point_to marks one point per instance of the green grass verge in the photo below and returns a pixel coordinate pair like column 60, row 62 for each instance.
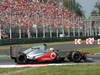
column 61, row 70
column 34, row 44
column 6, row 70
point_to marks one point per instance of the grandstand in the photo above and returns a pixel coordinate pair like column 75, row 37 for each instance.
column 33, row 19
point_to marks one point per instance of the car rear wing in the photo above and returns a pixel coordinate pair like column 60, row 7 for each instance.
column 16, row 50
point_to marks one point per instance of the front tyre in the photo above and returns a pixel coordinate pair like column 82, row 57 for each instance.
column 76, row 56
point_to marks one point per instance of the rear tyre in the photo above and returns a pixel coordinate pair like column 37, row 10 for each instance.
column 21, row 59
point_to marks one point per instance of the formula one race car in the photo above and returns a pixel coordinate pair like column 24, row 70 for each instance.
column 42, row 53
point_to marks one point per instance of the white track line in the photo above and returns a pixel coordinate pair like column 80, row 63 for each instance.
column 32, row 65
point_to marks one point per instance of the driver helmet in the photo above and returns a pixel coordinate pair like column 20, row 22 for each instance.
column 51, row 49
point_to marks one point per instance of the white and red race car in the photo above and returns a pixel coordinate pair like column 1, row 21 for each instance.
column 42, row 53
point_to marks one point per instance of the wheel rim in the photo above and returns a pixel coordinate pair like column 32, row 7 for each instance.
column 76, row 57
column 22, row 59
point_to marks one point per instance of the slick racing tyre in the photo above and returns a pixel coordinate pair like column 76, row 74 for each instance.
column 76, row 56
column 21, row 59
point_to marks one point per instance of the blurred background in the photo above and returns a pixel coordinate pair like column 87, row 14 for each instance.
column 29, row 21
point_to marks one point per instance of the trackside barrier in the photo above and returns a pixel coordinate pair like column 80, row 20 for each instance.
column 33, row 40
